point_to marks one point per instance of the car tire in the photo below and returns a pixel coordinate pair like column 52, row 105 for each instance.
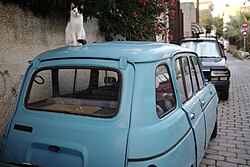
column 215, row 131
column 224, row 95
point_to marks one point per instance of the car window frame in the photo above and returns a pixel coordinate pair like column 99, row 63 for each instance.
column 200, row 71
column 178, row 56
column 197, row 81
column 32, row 78
column 167, row 66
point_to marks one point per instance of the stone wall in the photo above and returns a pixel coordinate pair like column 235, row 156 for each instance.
column 189, row 17
column 22, row 37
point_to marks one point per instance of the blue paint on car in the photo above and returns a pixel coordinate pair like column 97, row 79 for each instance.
column 131, row 104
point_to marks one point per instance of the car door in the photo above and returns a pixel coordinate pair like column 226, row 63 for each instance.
column 190, row 103
column 160, row 133
column 206, row 94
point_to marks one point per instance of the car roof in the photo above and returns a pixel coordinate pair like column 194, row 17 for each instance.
column 132, row 51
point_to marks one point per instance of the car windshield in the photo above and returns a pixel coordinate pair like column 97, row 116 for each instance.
column 82, row 91
column 203, row 48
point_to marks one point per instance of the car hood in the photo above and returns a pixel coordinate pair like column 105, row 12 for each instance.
column 213, row 62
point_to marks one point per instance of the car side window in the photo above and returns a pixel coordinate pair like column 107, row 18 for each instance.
column 195, row 64
column 165, row 97
column 183, row 78
column 194, row 76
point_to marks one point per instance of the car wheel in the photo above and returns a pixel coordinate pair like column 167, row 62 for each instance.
column 214, row 134
column 224, row 95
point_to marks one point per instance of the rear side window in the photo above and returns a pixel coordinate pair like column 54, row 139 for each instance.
column 81, row 91
column 183, row 78
column 198, row 73
column 165, row 97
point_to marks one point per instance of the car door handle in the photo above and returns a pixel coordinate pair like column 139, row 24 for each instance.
column 192, row 116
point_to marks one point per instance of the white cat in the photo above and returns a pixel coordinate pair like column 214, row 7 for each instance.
column 74, row 32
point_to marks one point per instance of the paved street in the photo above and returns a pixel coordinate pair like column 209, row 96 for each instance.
column 231, row 148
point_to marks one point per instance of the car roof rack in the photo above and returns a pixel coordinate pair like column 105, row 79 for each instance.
column 201, row 36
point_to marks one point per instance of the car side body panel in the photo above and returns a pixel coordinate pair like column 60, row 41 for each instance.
column 173, row 157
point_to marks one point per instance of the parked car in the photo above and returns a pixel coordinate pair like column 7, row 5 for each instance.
column 212, row 56
column 132, row 104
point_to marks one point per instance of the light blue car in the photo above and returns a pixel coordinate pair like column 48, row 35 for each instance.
column 114, row 104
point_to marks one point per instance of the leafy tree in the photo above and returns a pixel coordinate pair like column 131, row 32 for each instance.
column 206, row 18
column 232, row 32
column 233, row 28
column 210, row 22
column 137, row 20
column 219, row 25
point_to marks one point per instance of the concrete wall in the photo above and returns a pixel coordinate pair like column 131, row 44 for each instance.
column 189, row 16
column 23, row 36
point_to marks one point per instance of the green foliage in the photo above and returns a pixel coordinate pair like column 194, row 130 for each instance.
column 219, row 25
column 233, row 28
column 232, row 32
column 206, row 18
column 134, row 19
column 210, row 22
